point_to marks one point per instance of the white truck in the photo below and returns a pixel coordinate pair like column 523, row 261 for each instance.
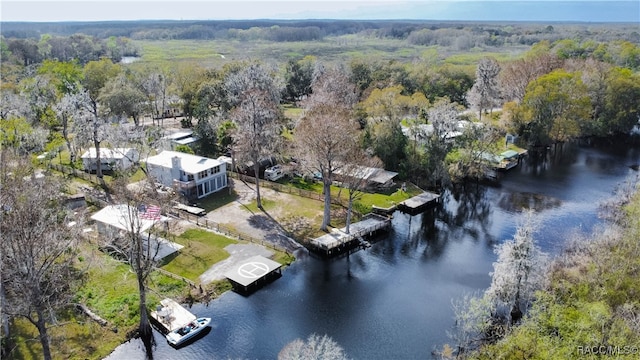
column 274, row 173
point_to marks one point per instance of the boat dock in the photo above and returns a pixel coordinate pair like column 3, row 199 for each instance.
column 419, row 202
column 337, row 241
column 171, row 315
column 253, row 273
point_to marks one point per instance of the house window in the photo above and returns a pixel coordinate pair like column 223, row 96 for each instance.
column 216, row 169
column 202, row 174
column 189, row 177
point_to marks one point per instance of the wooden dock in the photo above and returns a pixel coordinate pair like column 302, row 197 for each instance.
column 338, row 241
column 171, row 315
column 419, row 202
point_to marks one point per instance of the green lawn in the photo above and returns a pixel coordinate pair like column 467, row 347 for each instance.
column 366, row 200
column 217, row 200
column 201, row 250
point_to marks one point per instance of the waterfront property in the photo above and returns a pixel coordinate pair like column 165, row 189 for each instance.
column 171, row 316
column 114, row 221
column 338, row 241
column 419, row 202
column 110, row 159
column 193, row 176
column 253, row 273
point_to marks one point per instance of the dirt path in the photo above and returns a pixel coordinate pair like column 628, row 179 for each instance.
column 256, row 224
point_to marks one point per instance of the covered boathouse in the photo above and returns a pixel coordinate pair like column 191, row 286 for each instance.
column 253, row 273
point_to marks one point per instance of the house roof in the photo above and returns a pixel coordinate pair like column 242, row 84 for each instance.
column 120, row 217
column 179, row 135
column 191, row 164
column 382, row 176
column 186, row 141
column 509, row 154
column 106, row 153
column 377, row 175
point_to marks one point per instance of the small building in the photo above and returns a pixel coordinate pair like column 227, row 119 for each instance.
column 111, row 159
column 373, row 177
column 193, row 176
column 171, row 141
column 113, row 222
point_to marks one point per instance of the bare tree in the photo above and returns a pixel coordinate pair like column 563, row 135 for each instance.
column 485, row 93
column 37, row 248
column 89, row 126
column 316, row 347
column 323, row 140
column 155, row 86
column 140, row 213
column 91, row 121
column 255, row 95
column 473, row 321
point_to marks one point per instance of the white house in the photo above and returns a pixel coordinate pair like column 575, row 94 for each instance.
column 114, row 221
column 194, row 176
column 111, row 159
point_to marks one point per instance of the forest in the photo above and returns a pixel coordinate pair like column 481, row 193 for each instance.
column 427, row 100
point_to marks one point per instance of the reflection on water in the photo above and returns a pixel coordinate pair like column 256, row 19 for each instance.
column 393, row 301
column 518, row 201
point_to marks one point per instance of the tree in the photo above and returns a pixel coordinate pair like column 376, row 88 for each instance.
column 324, row 138
column 475, row 141
column 91, row 122
column 88, row 125
column 316, row 347
column 517, row 74
column 255, row 96
column 299, row 76
column 122, row 98
column 485, row 93
column 187, row 79
column 37, row 248
column 326, row 132
column 356, row 164
column 556, row 106
column 622, row 101
column 518, row 272
column 139, row 245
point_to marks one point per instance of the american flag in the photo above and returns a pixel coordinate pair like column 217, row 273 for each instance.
column 149, row 212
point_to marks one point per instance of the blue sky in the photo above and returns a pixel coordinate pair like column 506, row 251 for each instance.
column 539, row 10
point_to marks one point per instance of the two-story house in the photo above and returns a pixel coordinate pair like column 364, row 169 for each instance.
column 192, row 175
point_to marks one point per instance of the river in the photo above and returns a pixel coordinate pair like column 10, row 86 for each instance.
column 393, row 300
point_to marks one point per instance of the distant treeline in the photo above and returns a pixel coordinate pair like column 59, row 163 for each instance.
column 461, row 34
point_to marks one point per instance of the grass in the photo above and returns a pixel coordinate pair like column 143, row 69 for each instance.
column 201, row 250
column 292, row 112
column 367, row 200
column 110, row 290
column 219, row 52
column 217, row 200
column 266, row 205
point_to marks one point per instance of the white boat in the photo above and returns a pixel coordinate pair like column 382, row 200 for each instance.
column 180, row 335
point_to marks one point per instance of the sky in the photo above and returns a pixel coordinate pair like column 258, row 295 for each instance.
column 501, row 10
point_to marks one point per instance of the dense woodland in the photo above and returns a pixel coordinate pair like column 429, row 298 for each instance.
column 64, row 89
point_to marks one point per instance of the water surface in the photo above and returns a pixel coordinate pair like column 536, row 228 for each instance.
column 393, row 300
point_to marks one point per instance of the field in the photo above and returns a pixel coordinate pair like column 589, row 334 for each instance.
column 216, row 53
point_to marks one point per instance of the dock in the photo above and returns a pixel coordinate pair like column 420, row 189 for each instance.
column 338, row 241
column 419, row 202
column 170, row 315
column 253, row 273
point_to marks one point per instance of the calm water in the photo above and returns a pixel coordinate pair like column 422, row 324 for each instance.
column 393, row 300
